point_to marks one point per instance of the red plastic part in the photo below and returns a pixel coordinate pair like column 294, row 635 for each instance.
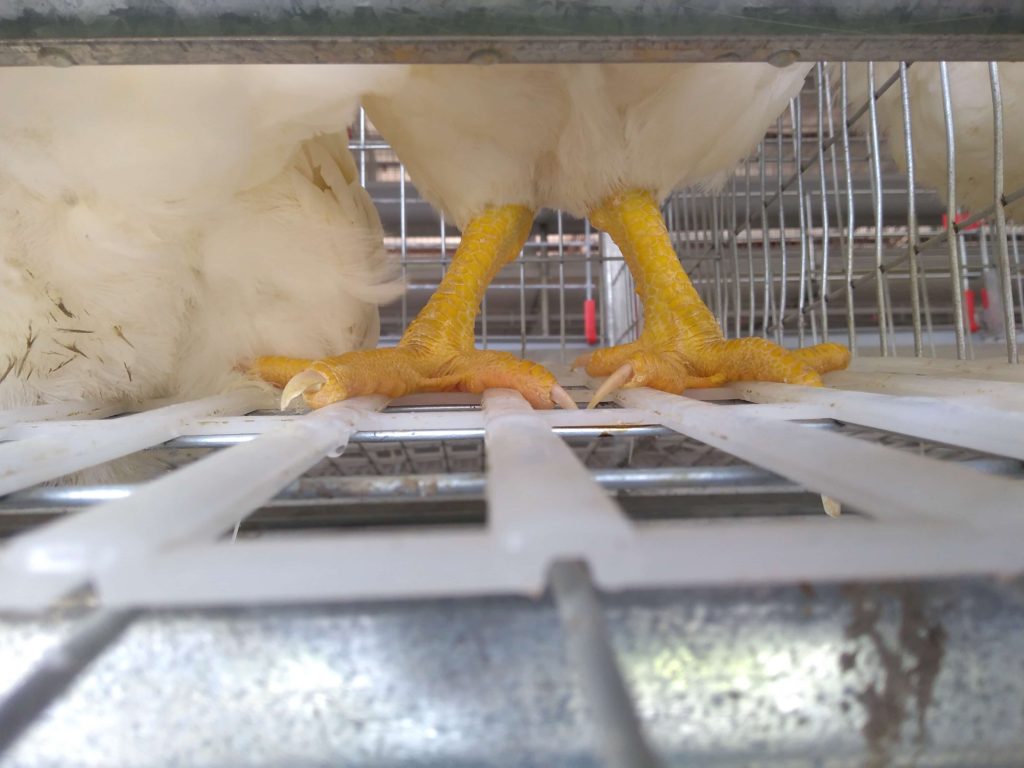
column 972, row 321
column 590, row 320
column 960, row 218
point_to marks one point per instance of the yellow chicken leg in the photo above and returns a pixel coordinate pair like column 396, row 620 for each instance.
column 681, row 344
column 436, row 352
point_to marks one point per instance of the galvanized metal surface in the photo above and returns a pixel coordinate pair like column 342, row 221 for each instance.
column 66, row 32
column 56, row 671
column 616, row 726
column 928, row 674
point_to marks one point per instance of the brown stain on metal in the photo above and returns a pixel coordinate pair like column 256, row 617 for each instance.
column 809, row 594
column 908, row 670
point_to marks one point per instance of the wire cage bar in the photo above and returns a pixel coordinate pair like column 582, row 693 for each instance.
column 692, row 515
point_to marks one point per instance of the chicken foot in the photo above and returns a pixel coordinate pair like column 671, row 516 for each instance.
column 681, row 345
column 436, row 352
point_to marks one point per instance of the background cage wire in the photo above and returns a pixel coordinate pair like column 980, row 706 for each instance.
column 816, row 236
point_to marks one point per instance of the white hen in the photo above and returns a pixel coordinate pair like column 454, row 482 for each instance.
column 489, row 146
column 158, row 225
column 971, row 98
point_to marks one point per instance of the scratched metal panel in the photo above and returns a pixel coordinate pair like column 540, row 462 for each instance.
column 931, row 674
column 62, row 32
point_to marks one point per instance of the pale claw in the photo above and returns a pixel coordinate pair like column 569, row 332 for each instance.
column 581, row 362
column 307, row 381
column 562, row 398
column 832, row 507
column 611, row 384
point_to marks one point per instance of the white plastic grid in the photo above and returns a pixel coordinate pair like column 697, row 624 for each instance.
column 166, row 543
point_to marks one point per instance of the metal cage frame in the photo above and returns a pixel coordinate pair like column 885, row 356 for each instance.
column 370, row 512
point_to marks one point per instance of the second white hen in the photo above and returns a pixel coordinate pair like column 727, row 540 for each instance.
column 971, row 100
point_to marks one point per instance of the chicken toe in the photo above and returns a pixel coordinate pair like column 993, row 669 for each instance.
column 681, row 345
column 436, row 353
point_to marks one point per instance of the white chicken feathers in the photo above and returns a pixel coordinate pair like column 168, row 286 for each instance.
column 661, row 126
column 971, row 98
column 160, row 224
column 567, row 136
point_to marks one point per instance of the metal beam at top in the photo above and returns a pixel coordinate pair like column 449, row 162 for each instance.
column 69, row 32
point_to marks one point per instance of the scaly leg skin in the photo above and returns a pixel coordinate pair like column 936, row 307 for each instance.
column 681, row 345
column 436, row 353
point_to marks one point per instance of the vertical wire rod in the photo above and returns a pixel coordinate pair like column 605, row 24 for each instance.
column 522, row 306
column 833, row 161
column 796, row 118
column 908, row 139
column 404, row 244
column 965, row 280
column 561, row 286
column 444, row 245
column 820, row 82
column 702, row 264
column 751, row 294
column 362, row 148
column 876, row 180
column 765, row 248
column 951, row 227
column 1009, row 322
column 57, row 670
column 721, row 309
column 736, row 286
column 812, row 265
column 929, row 323
column 851, row 326
column 590, row 653
column 780, row 316
column 1020, row 274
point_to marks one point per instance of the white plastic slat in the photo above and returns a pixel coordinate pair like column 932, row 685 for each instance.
column 369, row 566
column 996, row 370
column 542, row 504
column 999, row 394
column 23, row 591
column 414, row 422
column 475, row 419
column 194, row 503
column 968, row 425
column 27, row 462
column 888, row 483
column 305, row 569
column 537, row 489
column 805, row 550
column 79, row 409
column 784, row 411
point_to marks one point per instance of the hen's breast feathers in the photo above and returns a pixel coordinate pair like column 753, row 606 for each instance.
column 472, row 137
column 567, row 136
column 660, row 126
column 160, row 223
